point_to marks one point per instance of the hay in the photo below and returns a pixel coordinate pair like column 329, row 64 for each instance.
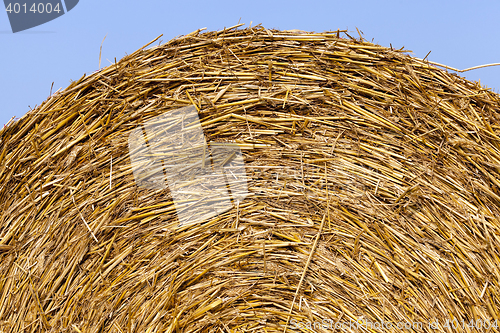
column 373, row 178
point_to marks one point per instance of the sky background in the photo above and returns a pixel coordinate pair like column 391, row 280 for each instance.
column 460, row 34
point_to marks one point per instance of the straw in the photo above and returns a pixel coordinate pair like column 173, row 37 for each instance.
column 374, row 185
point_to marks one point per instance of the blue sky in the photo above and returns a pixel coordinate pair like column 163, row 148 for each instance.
column 460, row 34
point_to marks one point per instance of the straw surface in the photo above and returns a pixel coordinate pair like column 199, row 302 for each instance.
column 374, row 180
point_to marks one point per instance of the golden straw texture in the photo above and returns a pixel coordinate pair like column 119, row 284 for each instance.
column 374, row 182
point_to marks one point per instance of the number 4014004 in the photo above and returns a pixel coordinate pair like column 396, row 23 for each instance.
column 40, row 8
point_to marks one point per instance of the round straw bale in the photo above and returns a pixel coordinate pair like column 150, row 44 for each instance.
column 349, row 183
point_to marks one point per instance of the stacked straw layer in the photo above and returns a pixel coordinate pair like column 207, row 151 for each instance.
column 374, row 182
